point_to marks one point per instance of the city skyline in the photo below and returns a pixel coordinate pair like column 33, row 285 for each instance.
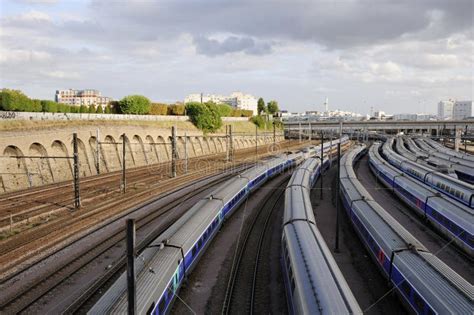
column 394, row 57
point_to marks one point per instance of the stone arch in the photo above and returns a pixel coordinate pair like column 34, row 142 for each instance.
column 139, row 151
column 221, row 145
column 14, row 173
column 84, row 165
column 41, row 167
column 198, row 149
column 109, row 150
column 207, row 147
column 213, row 145
column 151, row 150
column 62, row 168
column 93, row 150
column 180, row 147
column 191, row 147
column 129, row 156
column 163, row 149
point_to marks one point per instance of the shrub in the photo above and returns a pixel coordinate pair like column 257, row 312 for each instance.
column 49, row 106
column 259, row 121
column 83, row 109
column 176, row 110
column 158, row 109
column 224, row 110
column 99, row 110
column 92, row 109
column 36, row 106
column 135, row 104
column 204, row 116
column 14, row 100
column 108, row 109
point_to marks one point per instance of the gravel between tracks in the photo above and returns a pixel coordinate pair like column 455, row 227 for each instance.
column 206, row 287
column 445, row 250
column 360, row 272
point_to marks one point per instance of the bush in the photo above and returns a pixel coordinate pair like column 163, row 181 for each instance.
column 158, row 109
column 49, row 106
column 108, row 109
column 36, row 106
column 114, row 107
column 225, row 110
column 176, row 110
column 259, row 121
column 241, row 113
column 83, row 109
column 204, row 116
column 91, row 109
column 135, row 104
column 14, row 100
column 99, row 110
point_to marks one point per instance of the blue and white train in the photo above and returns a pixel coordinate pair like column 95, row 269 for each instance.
column 453, row 220
column 173, row 255
column 313, row 282
column 425, row 284
column 458, row 190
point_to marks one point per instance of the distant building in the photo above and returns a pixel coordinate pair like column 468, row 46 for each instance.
column 445, row 110
column 462, row 110
column 379, row 115
column 414, row 117
column 237, row 100
column 81, row 97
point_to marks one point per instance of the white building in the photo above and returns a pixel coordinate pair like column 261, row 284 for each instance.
column 81, row 97
column 236, row 99
column 445, row 110
column 414, row 117
column 462, row 110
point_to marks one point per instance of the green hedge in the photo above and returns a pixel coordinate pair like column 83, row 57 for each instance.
column 204, row 116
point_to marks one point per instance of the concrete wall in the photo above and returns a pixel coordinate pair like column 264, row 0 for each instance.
column 69, row 116
column 144, row 146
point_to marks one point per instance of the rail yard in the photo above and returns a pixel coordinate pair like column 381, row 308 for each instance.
column 279, row 228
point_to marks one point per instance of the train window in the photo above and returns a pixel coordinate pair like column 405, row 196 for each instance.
column 151, row 308
column 292, row 284
column 161, row 306
column 419, row 303
column 406, row 288
column 200, row 242
column 194, row 251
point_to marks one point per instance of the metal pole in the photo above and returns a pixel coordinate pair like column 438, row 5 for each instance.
column 310, row 132
column 465, row 140
column 185, row 154
column 77, row 198
column 322, row 162
column 124, row 180
column 256, row 142
column 299, row 132
column 231, row 143
column 173, row 151
column 227, row 144
column 98, row 151
column 338, row 179
column 274, row 136
column 131, row 252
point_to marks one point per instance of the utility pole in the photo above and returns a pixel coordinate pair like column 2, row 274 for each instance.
column 310, row 132
column 231, row 143
column 174, row 152
column 77, row 199
column 131, row 252
column 256, row 142
column 98, row 151
column 338, row 182
column 274, row 136
column 322, row 162
column 124, row 180
column 299, row 131
column 185, row 153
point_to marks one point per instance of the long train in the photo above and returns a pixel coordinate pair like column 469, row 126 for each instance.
column 425, row 284
column 453, row 220
column 313, row 282
column 451, row 153
column 463, row 172
column 167, row 262
column 458, row 190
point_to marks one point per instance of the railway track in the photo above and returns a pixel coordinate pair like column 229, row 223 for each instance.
column 245, row 284
column 80, row 261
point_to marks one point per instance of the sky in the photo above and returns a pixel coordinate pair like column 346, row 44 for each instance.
column 396, row 56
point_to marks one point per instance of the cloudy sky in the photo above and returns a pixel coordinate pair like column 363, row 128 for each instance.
column 397, row 56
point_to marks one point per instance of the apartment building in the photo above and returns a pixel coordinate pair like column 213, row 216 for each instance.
column 81, row 97
column 237, row 100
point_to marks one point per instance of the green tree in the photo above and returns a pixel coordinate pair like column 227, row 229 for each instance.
column 272, row 107
column 259, row 121
column 108, row 109
column 49, row 106
column 135, row 104
column 14, row 100
column 224, row 110
column 36, row 105
column 204, row 116
column 99, row 110
column 92, row 109
column 261, row 108
column 83, row 109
